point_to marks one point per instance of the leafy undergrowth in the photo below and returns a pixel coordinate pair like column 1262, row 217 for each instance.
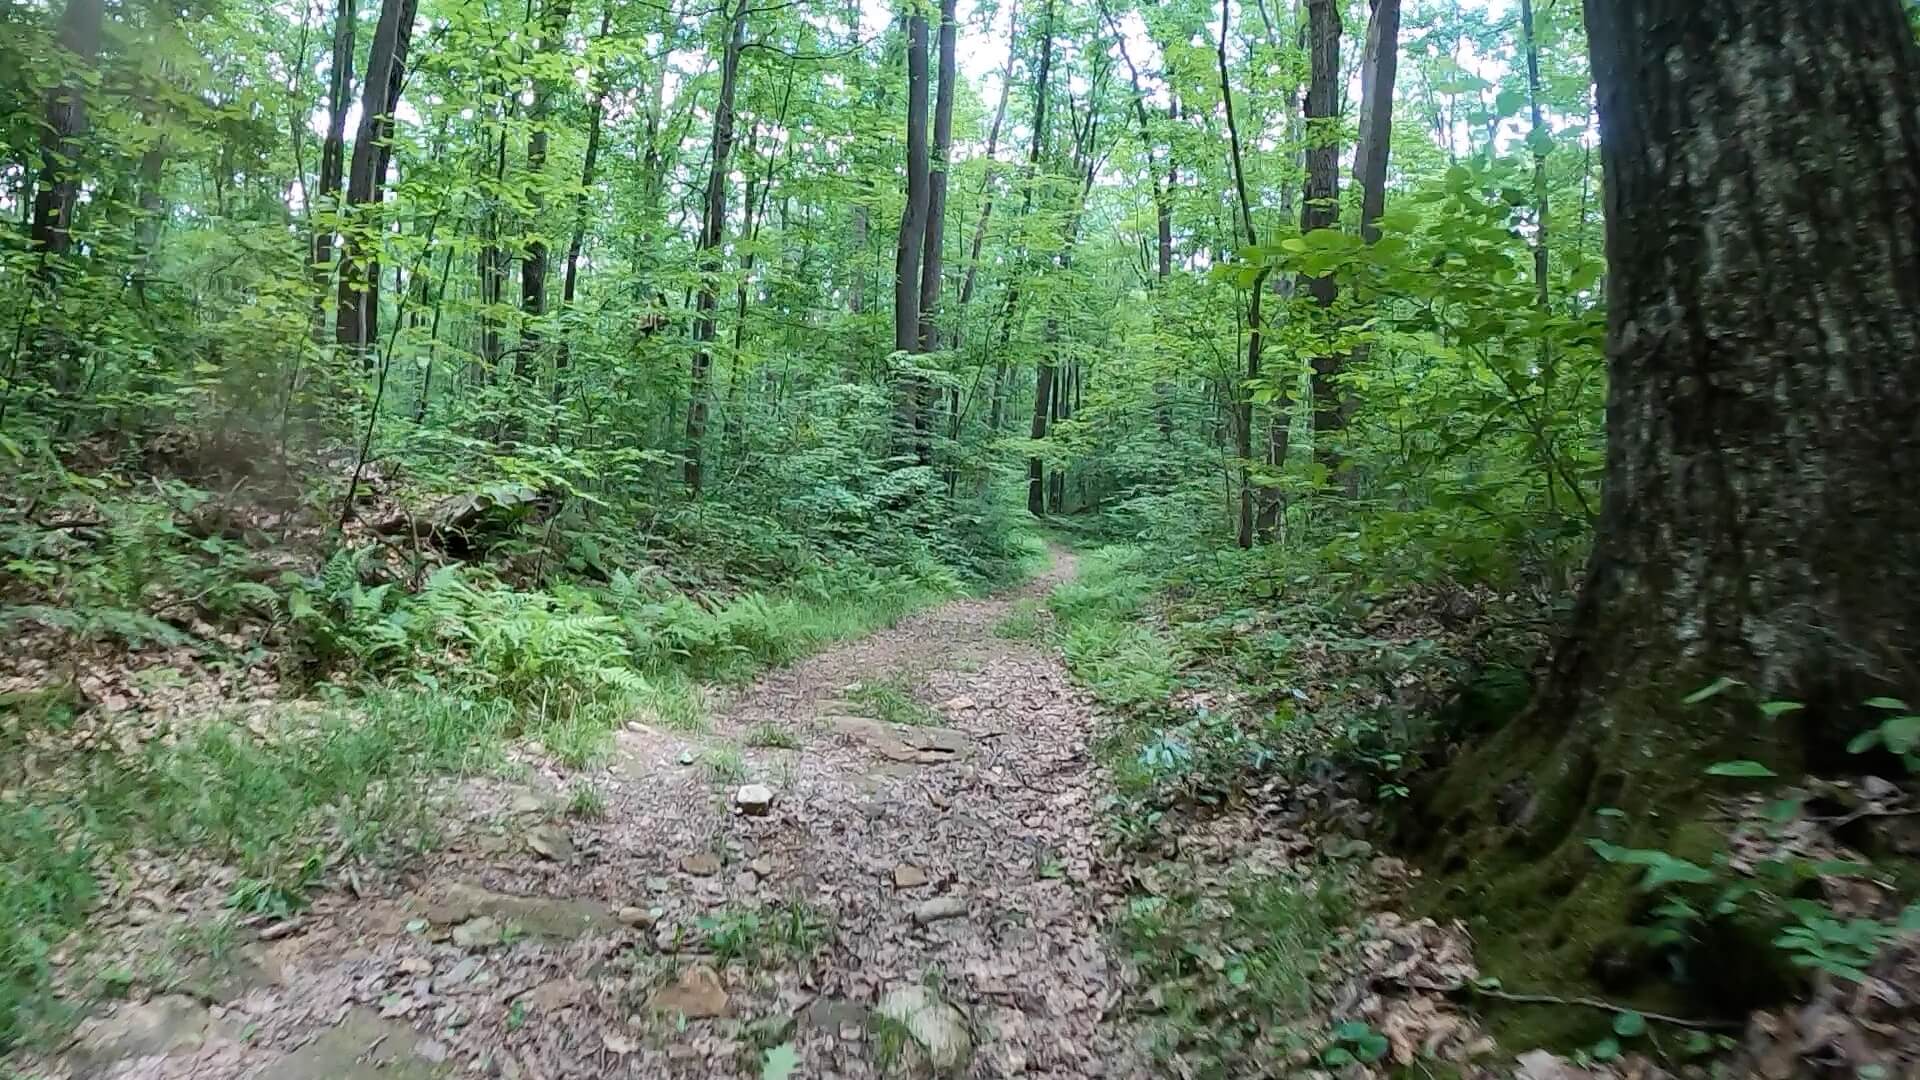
column 223, row 689
column 1267, row 738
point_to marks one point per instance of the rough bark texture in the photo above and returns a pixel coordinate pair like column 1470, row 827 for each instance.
column 1763, row 240
column 1378, row 70
column 713, row 227
column 1043, row 374
column 61, row 140
column 910, row 242
column 1243, row 400
column 1321, row 209
column 533, row 267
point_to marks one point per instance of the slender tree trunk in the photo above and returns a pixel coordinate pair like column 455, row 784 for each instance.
column 713, row 230
column 1321, row 210
column 1036, row 469
column 333, row 163
column 1378, row 69
column 934, row 245
column 1758, row 521
column 910, row 246
column 357, row 321
column 1243, row 401
column 533, row 266
column 570, row 276
column 62, row 148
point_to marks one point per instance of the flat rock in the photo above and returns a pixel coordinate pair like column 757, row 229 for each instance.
column 551, row 842
column 916, row 745
column 638, row 917
column 477, row 933
column 938, row 908
column 364, row 1047
column 701, row 864
column 540, row 916
column 140, row 1029
column 696, row 995
column 908, row 876
column 939, row 1029
column 754, row 800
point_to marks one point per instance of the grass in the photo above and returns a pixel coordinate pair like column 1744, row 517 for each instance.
column 1233, row 967
column 890, row 700
column 586, row 802
column 770, row 736
column 723, row 765
column 793, row 930
column 1024, row 622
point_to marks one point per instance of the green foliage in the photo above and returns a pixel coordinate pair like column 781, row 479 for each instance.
column 1232, row 971
column 786, row 932
column 890, row 699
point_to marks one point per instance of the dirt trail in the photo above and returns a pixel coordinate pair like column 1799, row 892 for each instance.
column 947, row 868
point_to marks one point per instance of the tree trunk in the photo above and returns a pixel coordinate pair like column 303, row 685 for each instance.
column 1321, row 210
column 1243, row 401
column 62, row 140
column 1036, row 149
column 333, row 163
column 932, row 248
column 357, row 318
column 533, row 267
column 1758, row 521
column 570, row 276
column 713, row 229
column 911, row 244
column 1378, row 69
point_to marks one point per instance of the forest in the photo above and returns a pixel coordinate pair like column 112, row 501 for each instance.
column 789, row 538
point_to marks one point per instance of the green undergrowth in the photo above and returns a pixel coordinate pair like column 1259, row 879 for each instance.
column 890, row 700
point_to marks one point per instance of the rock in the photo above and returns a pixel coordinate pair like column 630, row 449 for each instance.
column 687, row 757
column 908, row 876
column 431, row 1051
column 696, row 995
column 477, row 933
column 701, row 864
column 754, row 800
column 142, row 1029
column 908, row 745
column 537, row 915
column 528, row 803
column 831, row 1014
column 552, row 842
column 939, row 1029
column 637, row 917
column 938, row 908
column 457, row 975
column 1544, row 1065
column 362, row 1047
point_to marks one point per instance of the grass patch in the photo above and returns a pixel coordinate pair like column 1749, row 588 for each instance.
column 1024, row 622
column 772, row 737
column 793, row 930
column 723, row 765
column 1125, row 664
column 890, row 700
column 586, row 802
column 1232, row 969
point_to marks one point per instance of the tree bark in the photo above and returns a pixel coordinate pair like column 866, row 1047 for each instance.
column 910, row 246
column 1243, row 401
column 570, row 276
column 1321, row 210
column 533, row 266
column 357, row 316
column 1378, row 69
column 62, row 139
column 333, row 163
column 1758, row 521
column 713, row 229
column 1036, row 149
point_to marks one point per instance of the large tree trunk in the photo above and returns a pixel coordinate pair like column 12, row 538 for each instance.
column 1379, row 66
column 333, row 163
column 713, row 228
column 932, row 248
column 1758, row 521
column 357, row 314
column 1036, row 149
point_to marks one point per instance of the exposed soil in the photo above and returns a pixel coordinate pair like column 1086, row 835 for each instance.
column 944, row 872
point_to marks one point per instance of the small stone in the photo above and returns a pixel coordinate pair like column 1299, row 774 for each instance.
column 431, row 1051
column 528, row 803
column 908, row 876
column 701, row 864
column 416, row 965
column 637, row 917
column 477, row 933
column 457, row 975
column 762, row 866
column 696, row 995
column 687, row 758
column 552, row 842
column 754, row 800
column 938, row 908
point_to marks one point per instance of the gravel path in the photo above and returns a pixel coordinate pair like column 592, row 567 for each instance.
column 941, row 874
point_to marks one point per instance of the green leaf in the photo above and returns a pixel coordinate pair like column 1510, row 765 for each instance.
column 1894, row 704
column 779, row 1062
column 1713, row 689
column 1629, row 1025
column 1864, row 741
column 1742, row 770
column 1605, row 1050
column 1773, row 710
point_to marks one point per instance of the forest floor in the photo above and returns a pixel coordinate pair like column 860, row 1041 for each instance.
column 924, row 883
